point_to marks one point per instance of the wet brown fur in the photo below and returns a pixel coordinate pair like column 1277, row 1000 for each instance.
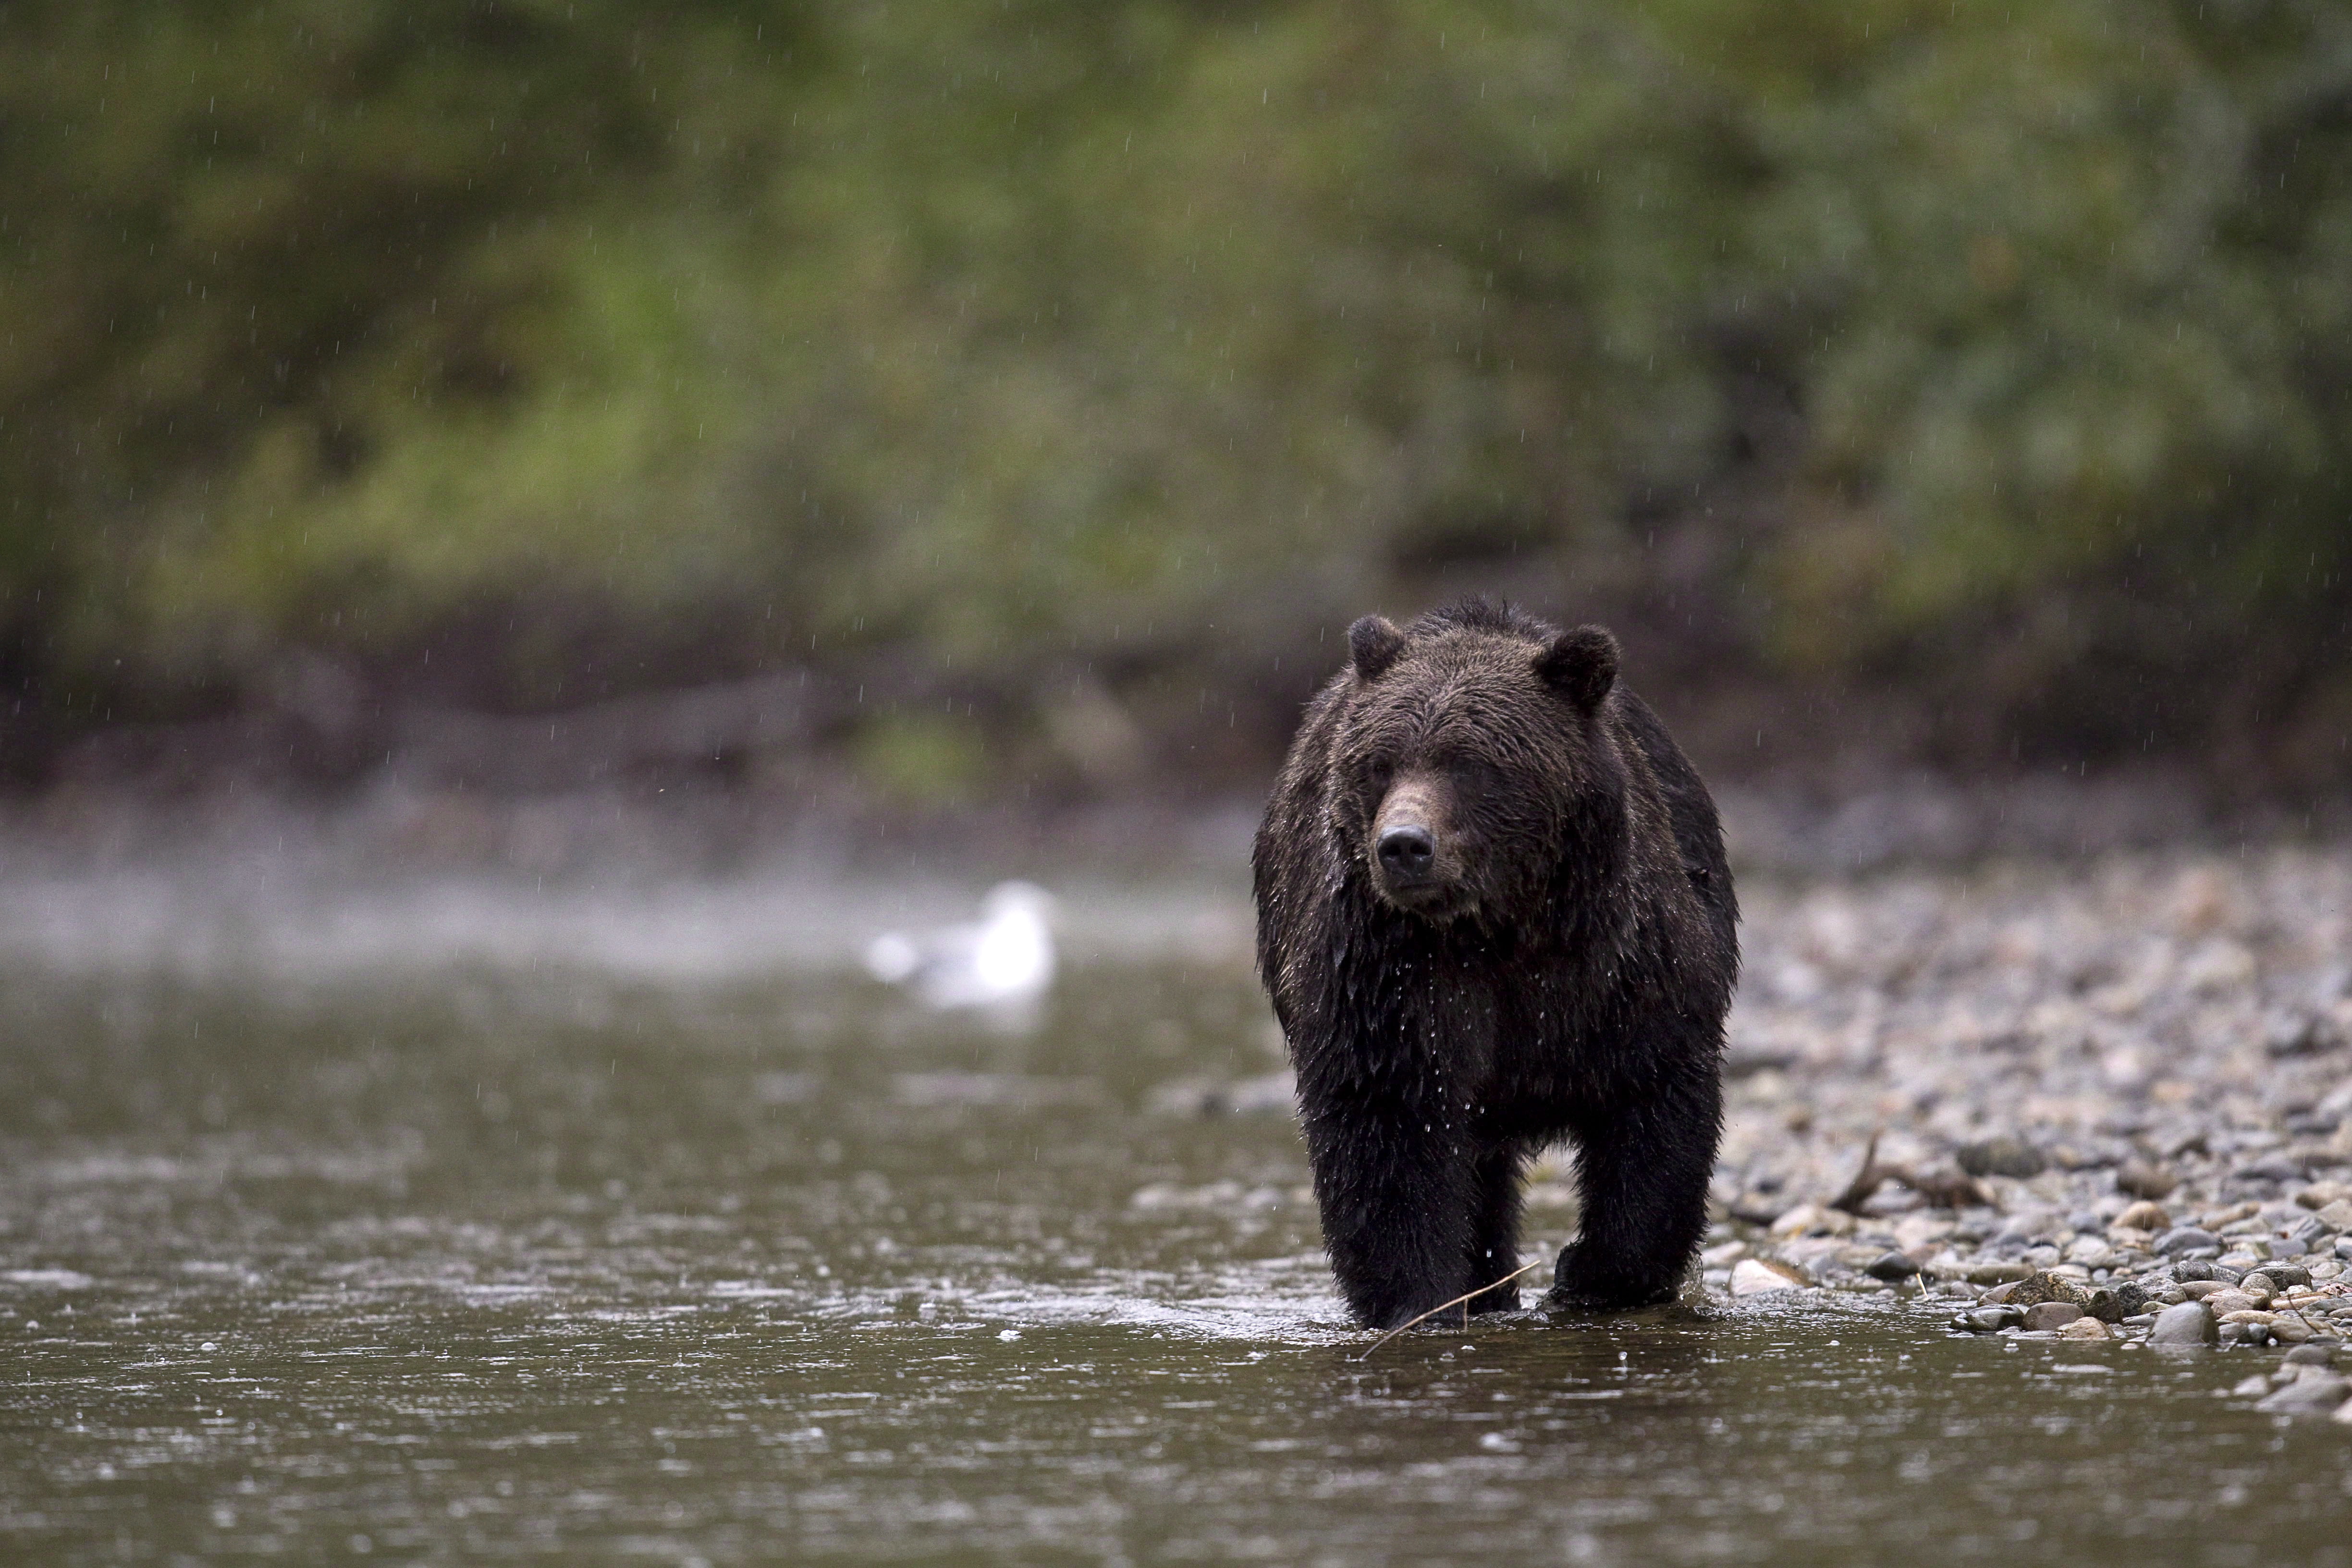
column 1562, row 972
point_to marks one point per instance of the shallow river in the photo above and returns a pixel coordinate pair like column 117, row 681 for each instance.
column 451, row 1260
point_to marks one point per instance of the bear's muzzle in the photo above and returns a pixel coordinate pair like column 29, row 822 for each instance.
column 1414, row 866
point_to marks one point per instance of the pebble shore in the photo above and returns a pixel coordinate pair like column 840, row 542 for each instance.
column 2105, row 1102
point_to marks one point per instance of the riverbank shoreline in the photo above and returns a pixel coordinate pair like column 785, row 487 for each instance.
column 2108, row 1101
column 825, row 826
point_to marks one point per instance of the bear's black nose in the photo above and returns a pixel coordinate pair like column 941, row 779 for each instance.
column 1406, row 853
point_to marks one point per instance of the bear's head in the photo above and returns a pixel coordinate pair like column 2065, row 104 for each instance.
column 1470, row 753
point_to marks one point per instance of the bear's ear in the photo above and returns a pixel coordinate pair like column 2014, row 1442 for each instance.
column 1374, row 643
column 1581, row 665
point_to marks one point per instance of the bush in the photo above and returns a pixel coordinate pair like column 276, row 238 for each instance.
column 1992, row 354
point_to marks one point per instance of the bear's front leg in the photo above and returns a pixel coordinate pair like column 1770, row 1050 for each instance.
column 1396, row 1187
column 1643, row 1171
column 1494, row 1231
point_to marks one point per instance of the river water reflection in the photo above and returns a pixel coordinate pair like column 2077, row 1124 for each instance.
column 451, row 1262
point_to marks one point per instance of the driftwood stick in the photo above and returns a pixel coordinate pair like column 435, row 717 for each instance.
column 1949, row 1189
column 1458, row 1300
column 1866, row 1181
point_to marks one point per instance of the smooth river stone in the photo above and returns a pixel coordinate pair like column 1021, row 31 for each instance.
column 2003, row 1156
column 2315, row 1394
column 2189, row 1323
column 1989, row 1320
column 2290, row 1328
column 2000, row 1273
column 1754, row 1276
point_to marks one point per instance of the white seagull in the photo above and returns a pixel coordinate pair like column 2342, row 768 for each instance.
column 1004, row 963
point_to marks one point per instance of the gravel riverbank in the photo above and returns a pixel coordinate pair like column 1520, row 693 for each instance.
column 2107, row 1102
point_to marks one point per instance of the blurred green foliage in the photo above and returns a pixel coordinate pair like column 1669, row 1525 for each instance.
column 1996, row 350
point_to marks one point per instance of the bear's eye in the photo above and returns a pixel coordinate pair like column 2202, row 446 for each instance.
column 1379, row 772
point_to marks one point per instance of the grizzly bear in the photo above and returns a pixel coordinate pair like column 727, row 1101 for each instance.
column 1493, row 912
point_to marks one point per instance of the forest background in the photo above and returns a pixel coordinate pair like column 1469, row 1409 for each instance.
column 962, row 402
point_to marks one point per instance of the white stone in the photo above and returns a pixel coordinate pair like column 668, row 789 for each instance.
column 1754, row 1276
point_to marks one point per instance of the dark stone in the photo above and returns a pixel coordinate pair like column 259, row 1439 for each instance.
column 2051, row 1315
column 2131, row 1299
column 1989, row 1320
column 2141, row 1179
column 2003, row 1156
column 2034, row 1289
column 1892, row 1266
column 2302, row 1034
column 2097, row 1301
column 2186, row 1238
column 2287, row 1273
column 1558, row 964
column 2033, row 1292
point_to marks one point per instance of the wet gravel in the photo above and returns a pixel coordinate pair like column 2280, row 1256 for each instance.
column 2107, row 1104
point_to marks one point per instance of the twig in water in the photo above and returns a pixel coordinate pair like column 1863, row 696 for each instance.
column 1458, row 1300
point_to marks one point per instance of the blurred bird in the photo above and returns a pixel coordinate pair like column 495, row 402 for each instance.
column 1007, row 961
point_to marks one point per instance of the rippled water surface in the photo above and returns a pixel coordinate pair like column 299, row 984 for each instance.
column 436, row 1261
